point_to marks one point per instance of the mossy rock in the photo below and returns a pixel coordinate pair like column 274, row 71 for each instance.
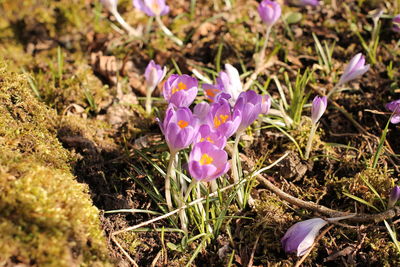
column 46, row 216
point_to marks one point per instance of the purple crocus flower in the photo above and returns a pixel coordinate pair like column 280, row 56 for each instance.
column 152, row 7
column 211, row 91
column 179, row 127
column 396, row 23
column 394, row 107
column 154, row 74
column 229, row 82
column 269, row 12
column 265, row 104
column 221, row 118
column 309, row 2
column 180, row 90
column 207, row 162
column 206, row 134
column 354, row 69
column 300, row 236
column 200, row 111
column 249, row 106
column 318, row 108
column 111, row 5
column 394, row 196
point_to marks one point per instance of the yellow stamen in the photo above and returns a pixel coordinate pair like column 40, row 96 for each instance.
column 183, row 124
column 223, row 118
column 181, row 86
column 217, row 122
column 206, row 159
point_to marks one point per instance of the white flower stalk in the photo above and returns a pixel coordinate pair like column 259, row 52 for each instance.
column 111, row 6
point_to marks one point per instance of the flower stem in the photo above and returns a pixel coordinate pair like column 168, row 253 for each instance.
column 148, row 100
column 235, row 171
column 124, row 24
column 264, row 47
column 310, row 140
column 167, row 32
column 170, row 169
column 189, row 190
column 331, row 92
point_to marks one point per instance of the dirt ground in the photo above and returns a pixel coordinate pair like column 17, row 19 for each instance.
column 79, row 65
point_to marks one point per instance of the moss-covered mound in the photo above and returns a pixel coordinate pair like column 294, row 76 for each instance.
column 46, row 216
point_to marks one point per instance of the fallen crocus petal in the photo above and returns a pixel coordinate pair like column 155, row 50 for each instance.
column 318, row 108
column 207, row 162
column 300, row 236
column 354, row 69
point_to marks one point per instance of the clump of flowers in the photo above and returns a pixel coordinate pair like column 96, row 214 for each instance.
column 208, row 127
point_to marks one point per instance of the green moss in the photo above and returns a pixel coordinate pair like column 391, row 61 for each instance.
column 46, row 216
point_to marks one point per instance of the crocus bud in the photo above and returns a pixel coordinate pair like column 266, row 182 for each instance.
column 354, row 69
column 206, row 134
column 180, row 90
column 394, row 107
column 394, row 196
column 300, row 236
column 200, row 111
column 229, row 82
column 269, row 12
column 318, row 108
column 207, row 162
column 265, row 104
column 249, row 106
column 111, row 5
column 221, row 118
column 396, row 23
column 154, row 74
column 309, row 2
column 152, row 7
column 179, row 127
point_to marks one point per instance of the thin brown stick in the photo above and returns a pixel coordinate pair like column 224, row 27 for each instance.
column 253, row 251
column 124, row 251
column 361, row 218
column 299, row 262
